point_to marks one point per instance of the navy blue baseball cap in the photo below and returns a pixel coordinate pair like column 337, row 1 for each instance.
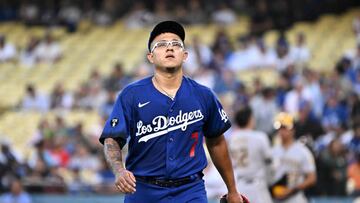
column 167, row 26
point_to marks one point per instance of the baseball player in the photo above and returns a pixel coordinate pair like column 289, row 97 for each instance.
column 164, row 119
column 294, row 163
column 251, row 157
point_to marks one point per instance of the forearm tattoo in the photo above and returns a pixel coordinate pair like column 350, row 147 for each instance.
column 113, row 155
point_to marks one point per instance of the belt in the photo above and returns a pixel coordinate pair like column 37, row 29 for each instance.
column 169, row 182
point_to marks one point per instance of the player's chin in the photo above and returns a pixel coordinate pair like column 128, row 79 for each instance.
column 171, row 63
column 171, row 66
column 171, row 69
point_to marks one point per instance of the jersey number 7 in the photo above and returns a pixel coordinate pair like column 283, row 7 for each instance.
column 194, row 136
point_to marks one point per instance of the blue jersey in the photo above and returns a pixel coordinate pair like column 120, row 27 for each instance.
column 165, row 135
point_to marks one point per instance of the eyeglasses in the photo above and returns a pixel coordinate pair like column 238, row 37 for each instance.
column 165, row 44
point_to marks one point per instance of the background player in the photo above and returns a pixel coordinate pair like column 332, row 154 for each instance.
column 251, row 156
column 294, row 163
column 165, row 117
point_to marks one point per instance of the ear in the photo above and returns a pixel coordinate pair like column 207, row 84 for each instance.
column 150, row 57
column 185, row 55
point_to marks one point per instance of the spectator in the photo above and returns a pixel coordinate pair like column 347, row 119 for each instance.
column 82, row 99
column 58, row 152
column 300, row 52
column 222, row 44
column 48, row 15
column 283, row 59
column 55, row 181
column 243, row 56
column 8, row 158
column 161, row 11
column 207, row 76
column 101, row 18
column 41, row 156
column 49, row 50
column 354, row 145
column 313, row 93
column 354, row 105
column 95, row 79
column 281, row 14
column 307, row 125
column 335, row 114
column 356, row 27
column 332, row 169
column 242, row 96
column 106, row 108
column 196, row 13
column 83, row 160
column 356, row 57
column 29, row 13
column 138, row 16
column 78, row 136
column 199, row 56
column 294, row 97
column 16, row 194
column 264, row 116
column 353, row 174
column 262, row 56
column 356, row 84
column 344, row 75
column 260, row 19
column 7, row 50
column 28, row 54
column 70, row 15
column 223, row 15
column 96, row 93
column 34, row 101
column 60, row 99
column 117, row 79
column 226, row 83
column 181, row 14
column 60, row 127
column 282, row 88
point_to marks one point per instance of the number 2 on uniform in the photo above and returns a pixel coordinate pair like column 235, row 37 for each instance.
column 195, row 136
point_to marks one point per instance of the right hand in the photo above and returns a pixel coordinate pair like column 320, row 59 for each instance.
column 125, row 181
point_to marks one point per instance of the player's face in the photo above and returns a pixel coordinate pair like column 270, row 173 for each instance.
column 167, row 51
column 285, row 133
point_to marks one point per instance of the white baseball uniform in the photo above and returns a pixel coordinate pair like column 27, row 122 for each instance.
column 295, row 161
column 249, row 151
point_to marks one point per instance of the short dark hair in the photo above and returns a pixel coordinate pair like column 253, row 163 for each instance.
column 243, row 116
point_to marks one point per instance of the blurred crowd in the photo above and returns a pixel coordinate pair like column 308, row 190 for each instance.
column 66, row 159
column 265, row 14
column 37, row 50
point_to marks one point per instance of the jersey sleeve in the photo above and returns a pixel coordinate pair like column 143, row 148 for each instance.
column 217, row 121
column 116, row 126
column 308, row 165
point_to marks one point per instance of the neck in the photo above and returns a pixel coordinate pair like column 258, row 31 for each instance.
column 247, row 127
column 168, row 81
column 287, row 143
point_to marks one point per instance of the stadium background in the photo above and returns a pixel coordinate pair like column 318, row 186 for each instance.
column 62, row 64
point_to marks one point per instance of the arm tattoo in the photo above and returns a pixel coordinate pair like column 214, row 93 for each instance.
column 113, row 155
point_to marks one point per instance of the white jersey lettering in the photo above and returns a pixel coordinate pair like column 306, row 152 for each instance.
column 163, row 125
